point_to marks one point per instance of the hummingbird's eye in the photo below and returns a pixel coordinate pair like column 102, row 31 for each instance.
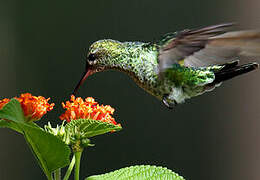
column 91, row 57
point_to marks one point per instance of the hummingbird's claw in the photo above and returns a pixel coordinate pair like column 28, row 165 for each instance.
column 166, row 103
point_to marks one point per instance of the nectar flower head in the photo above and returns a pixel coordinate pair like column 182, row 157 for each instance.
column 34, row 107
column 3, row 102
column 77, row 108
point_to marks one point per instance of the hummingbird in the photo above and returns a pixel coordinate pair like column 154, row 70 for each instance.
column 180, row 65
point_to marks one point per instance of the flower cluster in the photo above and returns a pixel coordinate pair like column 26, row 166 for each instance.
column 34, row 107
column 77, row 108
column 3, row 102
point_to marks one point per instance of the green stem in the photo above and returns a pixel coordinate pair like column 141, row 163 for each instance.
column 49, row 175
column 77, row 166
column 69, row 170
column 57, row 175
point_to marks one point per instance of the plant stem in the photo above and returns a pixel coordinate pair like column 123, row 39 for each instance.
column 77, row 166
column 69, row 170
column 57, row 174
column 49, row 176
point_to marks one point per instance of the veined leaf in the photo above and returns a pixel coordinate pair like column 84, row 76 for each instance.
column 142, row 172
column 89, row 128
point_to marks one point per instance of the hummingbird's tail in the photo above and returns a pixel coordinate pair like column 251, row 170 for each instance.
column 231, row 70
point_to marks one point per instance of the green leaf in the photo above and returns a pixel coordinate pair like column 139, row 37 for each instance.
column 11, row 116
column 12, row 111
column 12, row 125
column 142, row 172
column 51, row 152
column 15, row 125
column 89, row 127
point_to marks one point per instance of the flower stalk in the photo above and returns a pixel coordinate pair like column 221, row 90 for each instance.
column 77, row 164
column 69, row 170
column 57, row 174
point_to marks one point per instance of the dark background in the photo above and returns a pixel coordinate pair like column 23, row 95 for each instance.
column 212, row 137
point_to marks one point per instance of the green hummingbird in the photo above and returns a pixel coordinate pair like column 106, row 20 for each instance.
column 180, row 65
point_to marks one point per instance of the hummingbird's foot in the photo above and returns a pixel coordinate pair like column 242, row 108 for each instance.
column 168, row 104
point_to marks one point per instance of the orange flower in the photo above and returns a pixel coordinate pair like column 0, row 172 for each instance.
column 34, row 107
column 3, row 102
column 77, row 108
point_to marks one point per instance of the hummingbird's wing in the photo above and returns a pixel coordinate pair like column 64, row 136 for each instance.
column 208, row 46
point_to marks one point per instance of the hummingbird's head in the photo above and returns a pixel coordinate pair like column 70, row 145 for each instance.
column 101, row 53
column 99, row 57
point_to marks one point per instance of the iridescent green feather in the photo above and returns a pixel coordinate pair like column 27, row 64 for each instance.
column 183, row 76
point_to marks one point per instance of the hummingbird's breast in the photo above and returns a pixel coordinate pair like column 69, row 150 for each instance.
column 141, row 64
column 139, row 61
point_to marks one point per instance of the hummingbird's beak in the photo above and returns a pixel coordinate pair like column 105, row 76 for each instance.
column 87, row 73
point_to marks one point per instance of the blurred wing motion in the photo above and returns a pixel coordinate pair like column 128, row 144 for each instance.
column 208, row 46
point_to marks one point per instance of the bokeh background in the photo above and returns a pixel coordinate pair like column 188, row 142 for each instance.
column 212, row 137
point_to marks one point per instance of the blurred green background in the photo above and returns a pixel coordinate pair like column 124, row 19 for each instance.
column 212, row 137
